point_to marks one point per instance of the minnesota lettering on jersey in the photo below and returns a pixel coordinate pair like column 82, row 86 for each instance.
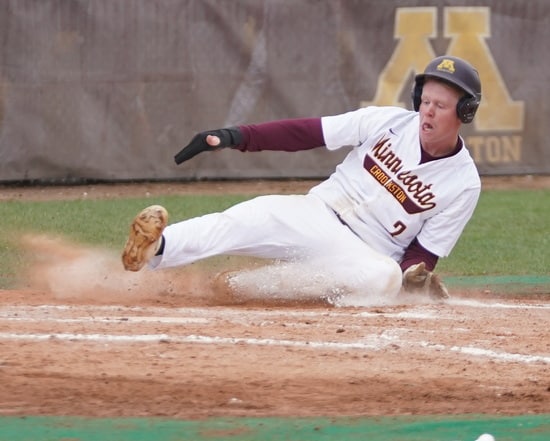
column 407, row 188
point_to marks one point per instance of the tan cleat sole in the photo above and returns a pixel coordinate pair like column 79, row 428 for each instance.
column 143, row 241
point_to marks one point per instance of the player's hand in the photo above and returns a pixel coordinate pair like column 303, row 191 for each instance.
column 209, row 141
column 418, row 280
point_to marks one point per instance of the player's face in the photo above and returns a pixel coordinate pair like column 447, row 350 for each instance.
column 439, row 123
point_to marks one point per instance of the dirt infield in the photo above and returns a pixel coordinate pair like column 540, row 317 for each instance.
column 102, row 342
column 126, row 356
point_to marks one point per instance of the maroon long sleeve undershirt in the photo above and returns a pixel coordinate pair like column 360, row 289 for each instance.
column 288, row 135
column 416, row 253
column 293, row 135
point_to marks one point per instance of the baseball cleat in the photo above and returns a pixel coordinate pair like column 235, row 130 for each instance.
column 144, row 238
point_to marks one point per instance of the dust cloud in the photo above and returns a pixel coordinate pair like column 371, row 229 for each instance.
column 68, row 271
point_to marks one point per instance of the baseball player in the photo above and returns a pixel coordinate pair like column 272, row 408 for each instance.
column 397, row 203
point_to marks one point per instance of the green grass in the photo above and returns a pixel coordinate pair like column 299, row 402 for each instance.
column 509, row 233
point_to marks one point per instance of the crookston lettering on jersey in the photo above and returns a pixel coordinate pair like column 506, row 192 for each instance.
column 384, row 165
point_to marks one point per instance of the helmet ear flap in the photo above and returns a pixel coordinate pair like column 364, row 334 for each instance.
column 466, row 108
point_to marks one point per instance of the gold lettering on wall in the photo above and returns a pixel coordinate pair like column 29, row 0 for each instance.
column 469, row 28
column 495, row 149
column 413, row 29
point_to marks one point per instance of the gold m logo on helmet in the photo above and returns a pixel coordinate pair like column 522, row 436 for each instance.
column 447, row 65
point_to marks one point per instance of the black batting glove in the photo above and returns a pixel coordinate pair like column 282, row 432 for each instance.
column 229, row 137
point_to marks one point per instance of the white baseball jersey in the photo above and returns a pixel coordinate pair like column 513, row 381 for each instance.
column 383, row 192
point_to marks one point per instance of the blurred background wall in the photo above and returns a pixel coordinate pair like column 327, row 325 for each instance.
column 112, row 89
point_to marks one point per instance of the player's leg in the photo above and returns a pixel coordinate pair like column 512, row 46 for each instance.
column 322, row 257
column 295, row 228
column 334, row 280
column 342, row 268
column 277, row 227
column 359, row 271
column 272, row 227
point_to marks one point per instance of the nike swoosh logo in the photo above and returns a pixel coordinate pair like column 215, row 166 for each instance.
column 392, row 132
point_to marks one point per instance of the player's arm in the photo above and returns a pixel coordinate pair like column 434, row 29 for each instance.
column 416, row 253
column 436, row 239
column 289, row 135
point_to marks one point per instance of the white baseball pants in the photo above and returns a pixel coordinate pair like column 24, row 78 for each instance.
column 299, row 229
